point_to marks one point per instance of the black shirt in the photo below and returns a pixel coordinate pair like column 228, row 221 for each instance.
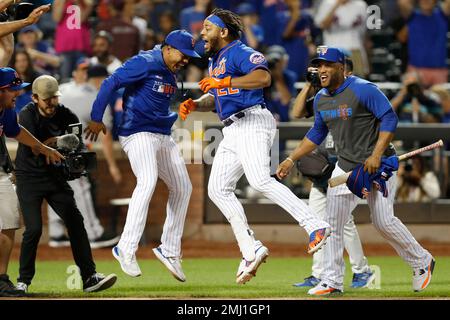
column 28, row 164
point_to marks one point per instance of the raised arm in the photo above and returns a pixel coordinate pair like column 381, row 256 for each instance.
column 446, row 7
column 58, row 10
column 299, row 109
column 6, row 49
column 406, row 7
column 328, row 20
column 5, row 4
column 13, row 26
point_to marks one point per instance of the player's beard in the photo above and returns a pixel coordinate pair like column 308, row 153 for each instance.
column 213, row 47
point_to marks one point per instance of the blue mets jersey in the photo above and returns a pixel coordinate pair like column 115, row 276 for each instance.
column 149, row 86
column 235, row 60
column 354, row 114
column 8, row 123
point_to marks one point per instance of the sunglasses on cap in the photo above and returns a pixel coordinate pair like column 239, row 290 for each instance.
column 14, row 83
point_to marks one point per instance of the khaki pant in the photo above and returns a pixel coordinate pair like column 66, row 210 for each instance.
column 9, row 209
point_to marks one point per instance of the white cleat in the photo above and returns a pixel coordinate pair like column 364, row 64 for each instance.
column 128, row 263
column 173, row 264
column 323, row 289
column 247, row 269
column 422, row 277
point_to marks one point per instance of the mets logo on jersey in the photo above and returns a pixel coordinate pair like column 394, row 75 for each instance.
column 165, row 88
column 365, row 192
column 257, row 58
column 220, row 69
column 343, row 112
column 321, row 50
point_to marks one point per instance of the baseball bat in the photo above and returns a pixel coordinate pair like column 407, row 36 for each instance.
column 336, row 181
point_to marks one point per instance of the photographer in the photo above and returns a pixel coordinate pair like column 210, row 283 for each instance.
column 36, row 181
column 10, row 86
column 318, row 166
column 22, row 18
column 416, row 183
column 278, row 96
column 78, row 96
column 414, row 104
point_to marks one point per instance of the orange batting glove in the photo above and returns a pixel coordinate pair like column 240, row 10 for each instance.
column 214, row 83
column 186, row 107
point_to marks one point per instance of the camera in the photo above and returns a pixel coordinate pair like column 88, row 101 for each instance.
column 408, row 166
column 17, row 11
column 313, row 78
column 273, row 59
column 414, row 90
column 78, row 162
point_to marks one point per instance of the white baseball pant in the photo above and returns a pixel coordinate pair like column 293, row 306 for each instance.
column 352, row 243
column 245, row 148
column 152, row 155
column 339, row 202
column 82, row 193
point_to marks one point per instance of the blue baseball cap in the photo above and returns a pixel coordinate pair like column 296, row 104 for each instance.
column 9, row 78
column 329, row 54
column 245, row 9
column 182, row 41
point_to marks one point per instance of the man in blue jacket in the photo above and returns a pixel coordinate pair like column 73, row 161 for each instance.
column 149, row 79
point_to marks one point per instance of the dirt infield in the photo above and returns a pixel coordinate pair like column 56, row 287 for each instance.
column 202, row 249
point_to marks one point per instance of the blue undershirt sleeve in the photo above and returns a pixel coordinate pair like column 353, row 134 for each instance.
column 378, row 104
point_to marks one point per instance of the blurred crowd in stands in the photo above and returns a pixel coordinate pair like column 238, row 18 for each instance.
column 404, row 41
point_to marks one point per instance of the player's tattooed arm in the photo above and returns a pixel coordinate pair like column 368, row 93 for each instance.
column 205, row 103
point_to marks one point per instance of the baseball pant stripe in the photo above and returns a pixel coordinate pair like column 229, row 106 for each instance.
column 173, row 172
column 254, row 153
column 352, row 243
column 141, row 149
column 338, row 212
column 393, row 230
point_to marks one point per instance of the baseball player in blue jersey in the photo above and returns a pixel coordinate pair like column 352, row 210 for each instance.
column 149, row 79
column 362, row 122
column 237, row 76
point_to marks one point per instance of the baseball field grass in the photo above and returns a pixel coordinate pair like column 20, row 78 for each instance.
column 215, row 278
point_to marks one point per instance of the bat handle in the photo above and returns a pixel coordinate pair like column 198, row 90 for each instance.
column 341, row 179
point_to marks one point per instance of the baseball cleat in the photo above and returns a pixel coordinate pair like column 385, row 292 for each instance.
column 323, row 289
column 128, row 263
column 98, row 282
column 363, row 280
column 422, row 277
column 107, row 239
column 311, row 281
column 173, row 264
column 247, row 269
column 21, row 286
column 317, row 239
